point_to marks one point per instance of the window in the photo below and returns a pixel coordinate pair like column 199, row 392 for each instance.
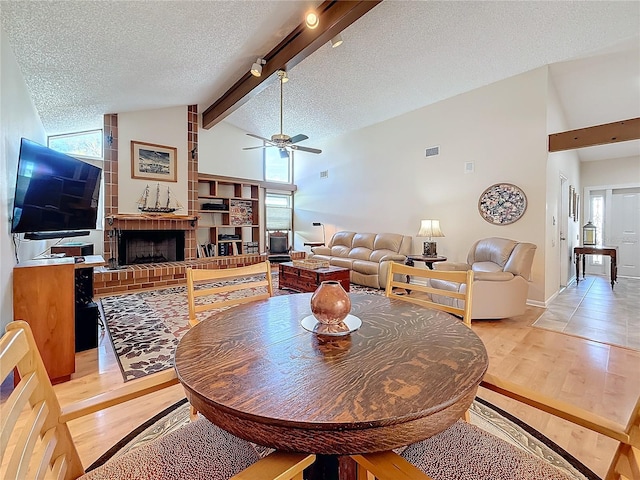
column 79, row 144
column 277, row 165
column 597, row 218
column 87, row 146
column 278, row 211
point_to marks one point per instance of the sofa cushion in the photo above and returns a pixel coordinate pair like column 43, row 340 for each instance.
column 486, row 267
column 342, row 262
column 342, row 238
column 366, row 267
column 360, row 253
column 496, row 250
column 340, row 251
column 366, row 240
column 378, row 255
column 388, row 241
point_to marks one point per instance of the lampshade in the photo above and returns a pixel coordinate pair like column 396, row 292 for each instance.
column 430, row 228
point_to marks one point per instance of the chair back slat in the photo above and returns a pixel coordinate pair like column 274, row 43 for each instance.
column 31, row 430
column 48, row 445
column 254, row 281
column 460, row 301
column 23, row 454
column 13, row 407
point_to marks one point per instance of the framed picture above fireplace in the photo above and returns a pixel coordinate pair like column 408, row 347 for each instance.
column 153, row 162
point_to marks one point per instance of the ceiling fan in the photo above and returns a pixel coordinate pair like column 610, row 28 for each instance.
column 281, row 141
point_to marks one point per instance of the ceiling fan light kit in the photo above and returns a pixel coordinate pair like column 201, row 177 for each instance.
column 279, row 140
column 256, row 68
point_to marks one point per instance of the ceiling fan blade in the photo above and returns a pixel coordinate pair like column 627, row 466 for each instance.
column 268, row 140
column 260, row 146
column 298, row 138
column 305, row 149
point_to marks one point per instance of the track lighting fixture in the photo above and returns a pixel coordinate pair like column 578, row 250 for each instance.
column 336, row 41
column 256, row 68
column 282, row 75
column 312, row 20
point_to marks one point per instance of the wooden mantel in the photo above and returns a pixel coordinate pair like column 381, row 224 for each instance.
column 163, row 220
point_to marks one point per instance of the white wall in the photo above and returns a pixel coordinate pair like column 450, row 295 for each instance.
column 380, row 181
column 18, row 118
column 566, row 164
column 616, row 171
column 220, row 152
column 166, row 127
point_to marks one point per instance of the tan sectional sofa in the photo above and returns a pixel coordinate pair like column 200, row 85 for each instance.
column 367, row 255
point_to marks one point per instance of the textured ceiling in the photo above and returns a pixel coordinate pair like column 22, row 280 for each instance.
column 82, row 59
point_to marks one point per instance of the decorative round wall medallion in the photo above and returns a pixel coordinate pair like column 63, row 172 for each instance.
column 502, row 203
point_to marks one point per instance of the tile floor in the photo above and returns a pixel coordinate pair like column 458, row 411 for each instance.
column 593, row 310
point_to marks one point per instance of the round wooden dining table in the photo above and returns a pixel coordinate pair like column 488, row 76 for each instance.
column 405, row 374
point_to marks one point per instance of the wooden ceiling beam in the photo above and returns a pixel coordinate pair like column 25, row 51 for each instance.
column 334, row 17
column 621, row 131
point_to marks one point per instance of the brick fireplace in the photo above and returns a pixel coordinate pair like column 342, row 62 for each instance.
column 121, row 278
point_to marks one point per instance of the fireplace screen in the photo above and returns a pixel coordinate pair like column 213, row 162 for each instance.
column 150, row 246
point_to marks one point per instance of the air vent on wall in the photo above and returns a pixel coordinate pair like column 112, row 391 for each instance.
column 432, row 151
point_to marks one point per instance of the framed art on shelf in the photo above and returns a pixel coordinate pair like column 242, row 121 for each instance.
column 153, row 162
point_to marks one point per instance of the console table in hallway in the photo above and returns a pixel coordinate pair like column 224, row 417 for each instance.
column 612, row 252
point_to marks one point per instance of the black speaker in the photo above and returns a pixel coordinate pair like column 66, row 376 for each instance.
column 87, row 326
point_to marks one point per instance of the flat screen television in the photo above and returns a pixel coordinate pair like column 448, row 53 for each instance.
column 56, row 195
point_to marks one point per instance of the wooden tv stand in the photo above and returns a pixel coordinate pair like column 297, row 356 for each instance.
column 44, row 293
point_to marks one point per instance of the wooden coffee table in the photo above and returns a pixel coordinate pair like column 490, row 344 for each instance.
column 303, row 279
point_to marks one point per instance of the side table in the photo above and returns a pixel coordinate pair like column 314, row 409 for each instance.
column 313, row 244
column 428, row 261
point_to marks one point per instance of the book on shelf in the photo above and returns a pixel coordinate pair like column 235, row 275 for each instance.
column 206, row 250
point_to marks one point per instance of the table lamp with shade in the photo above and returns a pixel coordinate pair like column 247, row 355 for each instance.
column 430, row 229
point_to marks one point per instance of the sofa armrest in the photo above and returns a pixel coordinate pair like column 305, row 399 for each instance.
column 493, row 276
column 321, row 250
column 393, row 258
column 451, row 266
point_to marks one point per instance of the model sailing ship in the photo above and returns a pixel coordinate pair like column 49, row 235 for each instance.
column 170, row 206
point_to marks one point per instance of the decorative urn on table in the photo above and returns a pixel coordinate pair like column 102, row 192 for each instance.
column 330, row 305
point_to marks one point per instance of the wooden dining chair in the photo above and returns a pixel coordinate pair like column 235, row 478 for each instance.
column 459, row 302
column 222, row 284
column 466, row 451
column 36, row 441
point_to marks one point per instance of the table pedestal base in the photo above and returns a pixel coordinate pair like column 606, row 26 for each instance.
column 331, row 467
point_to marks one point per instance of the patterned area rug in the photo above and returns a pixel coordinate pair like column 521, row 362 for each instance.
column 145, row 327
column 483, row 414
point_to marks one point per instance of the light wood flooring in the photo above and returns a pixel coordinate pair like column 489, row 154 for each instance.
column 593, row 375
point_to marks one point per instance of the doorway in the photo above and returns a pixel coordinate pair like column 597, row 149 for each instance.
column 618, row 227
column 564, row 248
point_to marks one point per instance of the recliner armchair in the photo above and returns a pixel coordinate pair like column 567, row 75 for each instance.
column 502, row 268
